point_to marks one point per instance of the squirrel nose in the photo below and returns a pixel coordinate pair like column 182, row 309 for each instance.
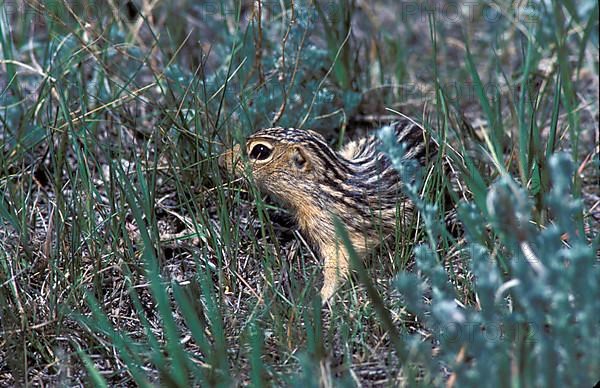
column 222, row 159
column 229, row 159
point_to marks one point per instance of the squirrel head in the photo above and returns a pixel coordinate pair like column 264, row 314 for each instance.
column 283, row 162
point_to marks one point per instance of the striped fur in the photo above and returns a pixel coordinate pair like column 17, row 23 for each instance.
column 357, row 184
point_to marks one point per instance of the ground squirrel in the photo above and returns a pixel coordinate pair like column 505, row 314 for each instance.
column 357, row 184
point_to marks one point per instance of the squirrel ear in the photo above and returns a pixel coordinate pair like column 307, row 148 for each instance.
column 299, row 159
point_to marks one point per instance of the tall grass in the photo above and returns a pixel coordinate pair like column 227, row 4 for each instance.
column 126, row 257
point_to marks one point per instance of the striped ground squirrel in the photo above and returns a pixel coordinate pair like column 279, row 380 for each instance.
column 357, row 184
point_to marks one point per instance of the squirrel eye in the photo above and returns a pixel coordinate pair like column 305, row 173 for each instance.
column 260, row 152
